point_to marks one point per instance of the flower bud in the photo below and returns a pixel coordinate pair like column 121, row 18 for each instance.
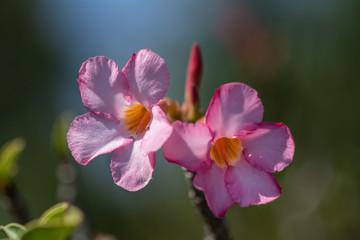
column 193, row 79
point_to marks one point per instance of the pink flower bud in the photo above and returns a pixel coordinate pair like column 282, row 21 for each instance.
column 195, row 68
column 193, row 79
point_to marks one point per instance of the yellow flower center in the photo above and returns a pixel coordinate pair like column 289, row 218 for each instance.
column 136, row 119
column 226, row 151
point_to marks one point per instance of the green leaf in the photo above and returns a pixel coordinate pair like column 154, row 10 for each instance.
column 12, row 231
column 62, row 213
column 48, row 232
column 56, row 223
column 9, row 155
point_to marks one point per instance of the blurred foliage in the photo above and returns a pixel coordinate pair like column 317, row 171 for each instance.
column 9, row 155
column 27, row 63
column 12, row 231
column 56, row 223
column 58, row 136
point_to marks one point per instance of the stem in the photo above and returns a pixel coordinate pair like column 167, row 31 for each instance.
column 17, row 205
column 215, row 228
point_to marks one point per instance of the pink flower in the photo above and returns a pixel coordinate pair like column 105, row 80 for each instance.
column 123, row 117
column 232, row 153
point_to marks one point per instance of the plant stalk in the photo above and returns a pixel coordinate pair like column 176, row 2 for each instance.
column 215, row 228
column 17, row 204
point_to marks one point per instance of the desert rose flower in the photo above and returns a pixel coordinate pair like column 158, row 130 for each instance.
column 124, row 117
column 232, row 154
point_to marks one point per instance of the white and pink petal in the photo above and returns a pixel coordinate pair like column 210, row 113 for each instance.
column 132, row 168
column 159, row 131
column 148, row 77
column 210, row 180
column 188, row 145
column 249, row 186
column 102, row 86
column 270, row 147
column 90, row 135
column 233, row 108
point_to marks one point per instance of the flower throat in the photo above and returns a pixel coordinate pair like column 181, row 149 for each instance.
column 226, row 152
column 137, row 117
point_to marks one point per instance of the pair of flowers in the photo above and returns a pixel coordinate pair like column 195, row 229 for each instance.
column 232, row 153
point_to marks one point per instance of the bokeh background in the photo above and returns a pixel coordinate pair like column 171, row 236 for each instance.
column 303, row 57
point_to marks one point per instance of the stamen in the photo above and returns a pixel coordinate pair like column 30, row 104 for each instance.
column 137, row 117
column 226, row 151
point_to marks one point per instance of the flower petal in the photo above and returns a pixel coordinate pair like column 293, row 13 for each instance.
column 188, row 145
column 102, row 86
column 131, row 168
column 249, row 186
column 234, row 106
column 211, row 181
column 90, row 136
column 148, row 77
column 269, row 148
column 159, row 131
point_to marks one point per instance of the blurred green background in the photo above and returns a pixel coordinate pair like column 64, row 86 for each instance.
column 303, row 57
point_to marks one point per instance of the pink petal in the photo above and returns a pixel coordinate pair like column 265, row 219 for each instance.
column 211, row 181
column 249, row 186
column 102, row 86
column 269, row 148
column 234, row 106
column 148, row 77
column 90, row 136
column 159, row 131
column 131, row 168
column 188, row 145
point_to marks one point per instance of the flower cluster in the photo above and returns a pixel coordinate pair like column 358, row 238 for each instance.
column 232, row 153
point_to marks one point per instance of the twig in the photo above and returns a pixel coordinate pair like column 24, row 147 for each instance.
column 17, row 204
column 215, row 228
